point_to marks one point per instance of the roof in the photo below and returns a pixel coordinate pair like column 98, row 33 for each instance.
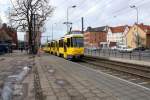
column 145, row 28
column 73, row 35
column 97, row 29
column 118, row 29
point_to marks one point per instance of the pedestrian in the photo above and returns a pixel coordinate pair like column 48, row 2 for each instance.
column 21, row 49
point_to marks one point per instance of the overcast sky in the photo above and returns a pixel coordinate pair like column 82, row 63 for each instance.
column 95, row 12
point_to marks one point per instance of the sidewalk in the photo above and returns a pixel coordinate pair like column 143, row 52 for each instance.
column 118, row 89
column 57, row 84
column 138, row 62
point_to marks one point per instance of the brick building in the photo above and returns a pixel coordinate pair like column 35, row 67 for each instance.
column 8, row 34
column 94, row 36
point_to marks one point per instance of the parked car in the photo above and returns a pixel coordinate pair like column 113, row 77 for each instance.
column 92, row 48
column 127, row 50
column 113, row 48
column 124, row 48
column 139, row 49
column 4, row 48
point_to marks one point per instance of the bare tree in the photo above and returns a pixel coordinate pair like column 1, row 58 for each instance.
column 26, row 12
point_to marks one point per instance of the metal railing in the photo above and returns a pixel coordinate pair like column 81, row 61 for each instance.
column 134, row 55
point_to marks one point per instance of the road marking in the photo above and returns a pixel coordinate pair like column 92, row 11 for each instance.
column 113, row 76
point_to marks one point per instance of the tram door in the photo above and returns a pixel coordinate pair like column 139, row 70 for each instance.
column 65, row 47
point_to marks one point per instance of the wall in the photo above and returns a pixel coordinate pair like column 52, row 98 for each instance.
column 131, row 37
column 93, row 39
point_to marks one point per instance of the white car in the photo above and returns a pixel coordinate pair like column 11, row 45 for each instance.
column 125, row 49
column 113, row 48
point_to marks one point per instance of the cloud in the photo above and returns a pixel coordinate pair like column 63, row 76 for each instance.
column 4, row 5
column 95, row 12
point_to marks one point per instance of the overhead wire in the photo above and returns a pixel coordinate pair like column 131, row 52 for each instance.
column 97, row 3
column 79, row 16
column 78, row 5
column 121, row 11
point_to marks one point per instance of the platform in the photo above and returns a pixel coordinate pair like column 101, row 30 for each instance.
column 70, row 80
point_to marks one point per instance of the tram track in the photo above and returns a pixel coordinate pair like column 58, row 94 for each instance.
column 138, row 74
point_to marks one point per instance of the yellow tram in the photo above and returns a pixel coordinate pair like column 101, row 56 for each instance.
column 70, row 46
column 60, row 47
column 73, row 46
column 52, row 47
column 46, row 48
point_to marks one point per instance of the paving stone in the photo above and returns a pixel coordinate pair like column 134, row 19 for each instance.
column 58, row 90
column 102, row 94
column 84, row 91
column 110, row 98
column 89, row 94
column 73, row 92
column 64, row 98
column 93, row 98
column 92, row 87
column 48, row 92
column 95, row 90
column 78, row 97
column 51, row 98
column 79, row 87
column 62, row 94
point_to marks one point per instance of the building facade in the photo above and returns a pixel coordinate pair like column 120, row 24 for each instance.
column 138, row 36
column 8, row 34
column 117, row 35
column 94, row 36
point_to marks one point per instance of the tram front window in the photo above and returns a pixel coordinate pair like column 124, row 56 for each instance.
column 77, row 42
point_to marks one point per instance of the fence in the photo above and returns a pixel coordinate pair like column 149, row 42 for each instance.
column 135, row 55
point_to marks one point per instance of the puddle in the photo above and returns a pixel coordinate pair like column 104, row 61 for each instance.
column 51, row 71
column 62, row 82
column 2, row 59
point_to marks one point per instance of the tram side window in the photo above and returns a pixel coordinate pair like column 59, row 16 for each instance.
column 60, row 43
column 57, row 44
column 68, row 42
column 49, row 45
column 52, row 44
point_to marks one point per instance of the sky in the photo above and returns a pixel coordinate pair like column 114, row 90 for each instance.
column 96, row 13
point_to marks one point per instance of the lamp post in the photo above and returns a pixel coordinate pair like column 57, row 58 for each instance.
column 67, row 23
column 53, row 30
column 136, row 8
column 138, row 35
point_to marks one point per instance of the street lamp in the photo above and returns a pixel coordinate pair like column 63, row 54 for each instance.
column 136, row 8
column 67, row 23
column 53, row 29
column 138, row 35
